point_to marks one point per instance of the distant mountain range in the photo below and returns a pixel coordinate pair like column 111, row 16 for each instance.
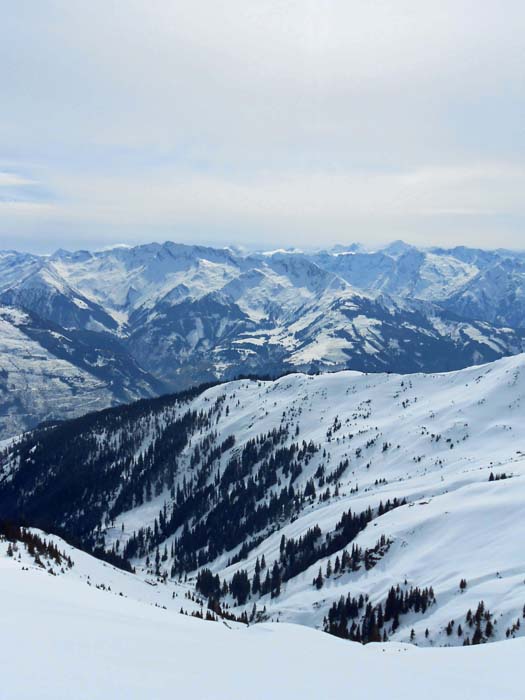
column 82, row 330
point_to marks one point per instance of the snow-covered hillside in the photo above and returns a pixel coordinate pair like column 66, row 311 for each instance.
column 50, row 555
column 408, row 487
column 89, row 642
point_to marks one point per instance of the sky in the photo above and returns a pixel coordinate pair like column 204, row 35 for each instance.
column 262, row 123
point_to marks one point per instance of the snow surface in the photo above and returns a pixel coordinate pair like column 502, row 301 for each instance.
column 65, row 639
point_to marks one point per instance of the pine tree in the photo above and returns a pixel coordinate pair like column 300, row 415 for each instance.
column 477, row 637
column 256, row 583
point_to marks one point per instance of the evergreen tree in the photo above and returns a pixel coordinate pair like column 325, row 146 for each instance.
column 319, row 581
column 276, row 580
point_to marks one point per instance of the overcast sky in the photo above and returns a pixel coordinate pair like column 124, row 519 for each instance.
column 262, row 123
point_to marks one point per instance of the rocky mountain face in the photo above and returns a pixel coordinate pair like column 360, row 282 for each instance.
column 179, row 315
column 49, row 373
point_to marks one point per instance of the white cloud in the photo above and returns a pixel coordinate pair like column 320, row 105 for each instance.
column 295, row 207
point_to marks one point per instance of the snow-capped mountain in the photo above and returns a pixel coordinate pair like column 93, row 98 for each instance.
column 374, row 506
column 400, row 270
column 438, row 275
column 44, row 293
column 189, row 314
column 496, row 293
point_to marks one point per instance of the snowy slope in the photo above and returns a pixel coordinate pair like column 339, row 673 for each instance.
column 167, row 467
column 90, row 643
column 86, row 571
column 457, row 523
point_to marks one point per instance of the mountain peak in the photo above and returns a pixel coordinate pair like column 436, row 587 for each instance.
column 398, row 248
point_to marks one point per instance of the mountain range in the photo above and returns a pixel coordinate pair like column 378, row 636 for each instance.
column 84, row 330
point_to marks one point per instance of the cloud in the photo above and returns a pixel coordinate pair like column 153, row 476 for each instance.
column 294, row 207
column 272, row 119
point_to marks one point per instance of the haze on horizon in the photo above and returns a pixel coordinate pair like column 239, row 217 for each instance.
column 268, row 124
